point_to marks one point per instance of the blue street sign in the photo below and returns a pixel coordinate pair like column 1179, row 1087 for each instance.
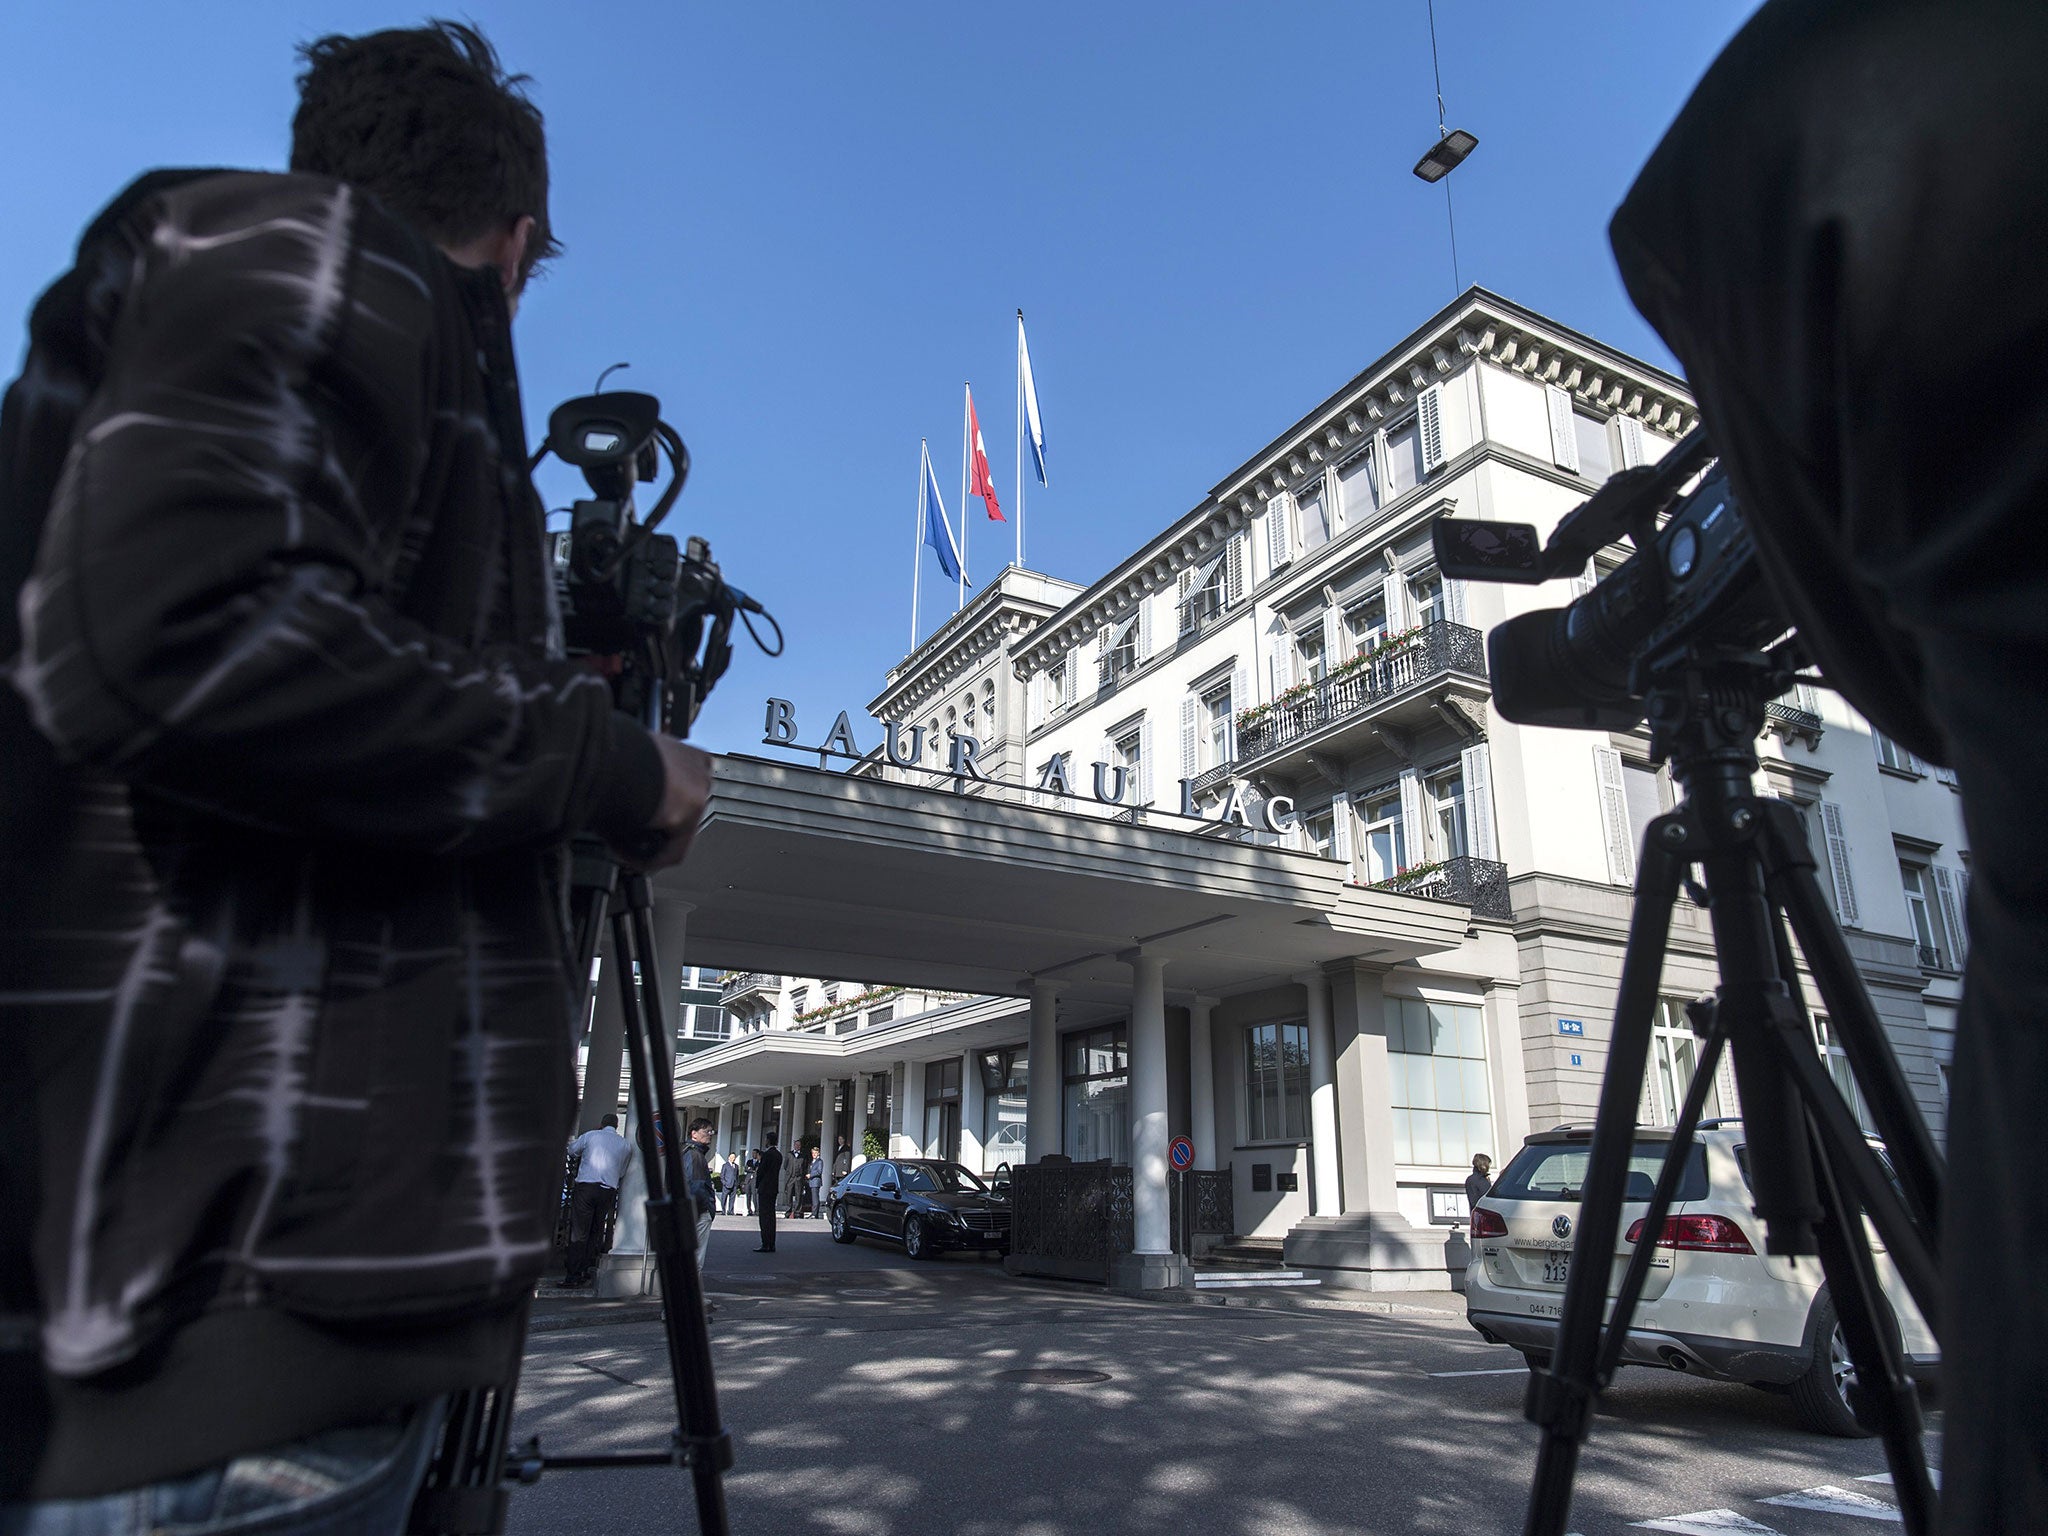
column 1575, row 1058
column 1571, row 1026
column 1181, row 1153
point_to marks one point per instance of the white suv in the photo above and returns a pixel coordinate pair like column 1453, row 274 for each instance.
column 1713, row 1304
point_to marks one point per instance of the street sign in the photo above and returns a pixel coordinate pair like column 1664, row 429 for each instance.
column 1181, row 1153
column 1571, row 1026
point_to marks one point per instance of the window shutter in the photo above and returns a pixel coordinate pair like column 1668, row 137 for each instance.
column 1340, row 830
column 1724, row 1080
column 1478, row 770
column 1805, row 696
column 1107, row 753
column 1185, row 580
column 1429, row 418
column 1838, row 862
column 1951, row 914
column 1036, row 699
column 1240, row 701
column 1279, row 529
column 1630, row 431
column 1395, row 594
column 1069, row 665
column 1142, row 794
column 1944, row 775
column 1234, row 560
column 1412, row 818
column 1621, row 862
column 1189, row 758
column 1454, row 600
column 1333, row 637
column 1564, row 442
column 1585, row 581
column 1281, row 658
column 1146, row 628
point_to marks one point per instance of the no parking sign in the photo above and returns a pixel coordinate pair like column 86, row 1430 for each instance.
column 1181, row 1153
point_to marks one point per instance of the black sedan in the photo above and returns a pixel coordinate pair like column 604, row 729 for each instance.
column 924, row 1204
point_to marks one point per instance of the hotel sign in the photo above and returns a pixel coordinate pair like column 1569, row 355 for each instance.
column 1109, row 784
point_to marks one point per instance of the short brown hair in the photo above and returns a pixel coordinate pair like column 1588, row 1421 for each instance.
column 427, row 120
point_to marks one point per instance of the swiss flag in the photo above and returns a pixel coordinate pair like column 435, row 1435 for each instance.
column 981, row 483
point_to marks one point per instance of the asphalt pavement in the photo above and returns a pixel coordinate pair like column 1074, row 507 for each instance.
column 872, row 1397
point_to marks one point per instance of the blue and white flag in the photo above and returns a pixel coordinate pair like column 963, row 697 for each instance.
column 938, row 533
column 1034, row 427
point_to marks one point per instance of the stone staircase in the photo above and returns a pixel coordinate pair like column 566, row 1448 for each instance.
column 1247, row 1263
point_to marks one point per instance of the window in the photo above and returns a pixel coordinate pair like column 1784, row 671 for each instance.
column 1404, row 460
column 1205, row 599
column 1366, row 624
column 1357, row 489
column 1097, row 1100
column 1924, row 916
column 1644, row 793
column 1674, row 1058
column 1838, row 1068
column 799, row 1001
column 1386, row 850
column 1308, row 646
column 1216, row 723
column 1005, row 1087
column 881, row 1015
column 1596, row 446
column 1891, row 755
column 942, row 1108
column 1276, row 1082
column 1128, row 753
column 1442, row 1105
column 1426, row 593
column 831, row 995
column 1315, row 523
column 1447, row 795
column 1321, row 827
column 1121, row 656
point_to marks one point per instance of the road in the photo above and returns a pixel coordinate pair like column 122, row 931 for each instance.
column 871, row 1397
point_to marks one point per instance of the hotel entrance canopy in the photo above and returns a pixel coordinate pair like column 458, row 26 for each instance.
column 824, row 874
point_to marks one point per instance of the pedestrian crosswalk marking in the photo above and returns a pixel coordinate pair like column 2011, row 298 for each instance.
column 1505, row 1370
column 1933, row 1476
column 1831, row 1500
column 1707, row 1522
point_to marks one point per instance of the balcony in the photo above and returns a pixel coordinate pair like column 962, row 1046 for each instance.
column 1397, row 679
column 737, row 984
column 1789, row 721
column 1481, row 884
column 1204, row 782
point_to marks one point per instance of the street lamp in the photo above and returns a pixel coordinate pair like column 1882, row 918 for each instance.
column 1446, row 155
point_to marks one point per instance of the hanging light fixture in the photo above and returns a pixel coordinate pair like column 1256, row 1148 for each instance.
column 1446, row 155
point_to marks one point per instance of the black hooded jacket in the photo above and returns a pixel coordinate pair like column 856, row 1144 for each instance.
column 290, row 755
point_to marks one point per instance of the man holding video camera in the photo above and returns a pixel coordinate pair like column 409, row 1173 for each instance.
column 293, row 755
column 1844, row 238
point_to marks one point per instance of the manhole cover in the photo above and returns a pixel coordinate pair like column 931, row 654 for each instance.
column 1053, row 1376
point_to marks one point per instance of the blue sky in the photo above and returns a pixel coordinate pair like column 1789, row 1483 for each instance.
column 805, row 224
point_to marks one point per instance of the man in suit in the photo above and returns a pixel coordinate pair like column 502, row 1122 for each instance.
column 768, row 1174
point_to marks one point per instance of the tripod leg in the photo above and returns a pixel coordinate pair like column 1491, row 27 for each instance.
column 672, row 1239
column 1560, row 1400
column 1789, row 875
column 1884, row 1398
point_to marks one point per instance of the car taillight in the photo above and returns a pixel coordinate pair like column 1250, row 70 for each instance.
column 1706, row 1234
column 1487, row 1223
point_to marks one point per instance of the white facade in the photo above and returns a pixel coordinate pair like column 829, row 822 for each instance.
column 1285, row 664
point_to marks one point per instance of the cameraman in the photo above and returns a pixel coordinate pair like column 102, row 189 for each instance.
column 1844, row 238
column 292, row 755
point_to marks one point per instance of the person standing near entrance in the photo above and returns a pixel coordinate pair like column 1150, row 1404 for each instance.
column 816, row 1179
column 767, row 1175
column 728, row 1184
column 697, row 1180
column 842, row 1162
column 1479, row 1180
column 602, row 1155
column 794, row 1184
column 752, row 1180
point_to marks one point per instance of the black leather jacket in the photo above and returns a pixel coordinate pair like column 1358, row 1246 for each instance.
column 284, row 1011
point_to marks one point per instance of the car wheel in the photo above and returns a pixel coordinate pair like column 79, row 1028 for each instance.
column 842, row 1230
column 917, row 1242
column 1820, row 1398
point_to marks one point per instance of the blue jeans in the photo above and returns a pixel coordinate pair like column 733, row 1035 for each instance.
column 357, row 1481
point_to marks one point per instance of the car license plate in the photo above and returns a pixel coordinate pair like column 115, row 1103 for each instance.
column 1554, row 1267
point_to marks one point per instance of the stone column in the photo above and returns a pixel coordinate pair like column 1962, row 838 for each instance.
column 603, row 1061
column 627, row 1270
column 1322, row 1095
column 828, row 1139
column 1042, row 1099
column 1202, row 1080
column 913, row 1108
column 1152, row 1265
column 858, row 1138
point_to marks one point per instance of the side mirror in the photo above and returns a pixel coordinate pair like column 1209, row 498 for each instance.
column 888, row 1189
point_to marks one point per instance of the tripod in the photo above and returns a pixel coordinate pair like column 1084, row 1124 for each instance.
column 464, row 1491
column 1812, row 1172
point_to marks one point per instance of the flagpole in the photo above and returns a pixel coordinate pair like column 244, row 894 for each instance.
column 966, row 448
column 917, row 538
column 1020, row 439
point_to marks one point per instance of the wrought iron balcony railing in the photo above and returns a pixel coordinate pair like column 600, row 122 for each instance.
column 1382, row 674
column 1116, row 665
column 1200, row 611
column 1205, row 782
column 1932, row 959
column 1481, row 884
column 737, row 982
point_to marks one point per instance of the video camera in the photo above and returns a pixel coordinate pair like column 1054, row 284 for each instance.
column 655, row 617
column 1694, row 579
